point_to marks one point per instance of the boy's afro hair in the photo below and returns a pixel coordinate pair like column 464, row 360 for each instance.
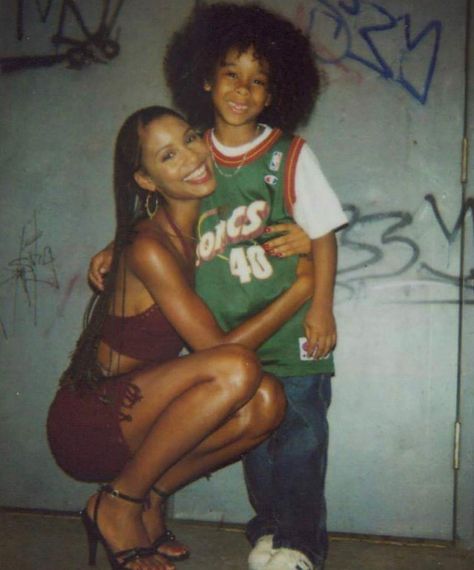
column 196, row 50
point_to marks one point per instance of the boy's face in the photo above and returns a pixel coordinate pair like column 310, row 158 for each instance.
column 240, row 88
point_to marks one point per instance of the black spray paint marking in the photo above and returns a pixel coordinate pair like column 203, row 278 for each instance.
column 34, row 266
column 393, row 223
column 93, row 46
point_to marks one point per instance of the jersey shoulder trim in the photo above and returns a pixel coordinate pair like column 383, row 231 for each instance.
column 290, row 173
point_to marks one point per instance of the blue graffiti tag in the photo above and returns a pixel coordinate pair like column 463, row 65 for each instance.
column 348, row 21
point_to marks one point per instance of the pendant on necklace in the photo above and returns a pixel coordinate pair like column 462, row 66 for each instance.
column 242, row 161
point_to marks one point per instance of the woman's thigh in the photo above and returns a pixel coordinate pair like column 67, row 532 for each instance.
column 162, row 384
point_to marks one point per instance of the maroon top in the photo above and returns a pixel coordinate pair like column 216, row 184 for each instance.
column 147, row 336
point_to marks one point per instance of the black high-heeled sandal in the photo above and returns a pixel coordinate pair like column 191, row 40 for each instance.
column 167, row 536
column 117, row 560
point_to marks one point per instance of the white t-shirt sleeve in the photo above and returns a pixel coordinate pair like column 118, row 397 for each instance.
column 317, row 208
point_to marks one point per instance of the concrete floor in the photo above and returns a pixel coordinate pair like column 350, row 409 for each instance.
column 40, row 542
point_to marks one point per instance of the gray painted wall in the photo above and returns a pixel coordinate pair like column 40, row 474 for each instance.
column 58, row 130
column 465, row 497
column 388, row 132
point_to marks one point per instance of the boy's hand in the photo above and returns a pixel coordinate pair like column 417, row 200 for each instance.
column 294, row 241
column 320, row 329
column 320, row 325
column 99, row 266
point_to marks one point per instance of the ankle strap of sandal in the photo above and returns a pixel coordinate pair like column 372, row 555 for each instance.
column 107, row 488
column 159, row 492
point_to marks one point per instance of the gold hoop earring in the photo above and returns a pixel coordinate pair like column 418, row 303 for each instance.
column 151, row 212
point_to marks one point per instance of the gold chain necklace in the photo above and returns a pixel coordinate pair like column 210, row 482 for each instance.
column 242, row 161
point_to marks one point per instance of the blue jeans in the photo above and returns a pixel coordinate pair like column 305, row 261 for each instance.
column 285, row 475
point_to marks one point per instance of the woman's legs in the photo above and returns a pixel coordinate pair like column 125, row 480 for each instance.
column 184, row 401
column 247, row 428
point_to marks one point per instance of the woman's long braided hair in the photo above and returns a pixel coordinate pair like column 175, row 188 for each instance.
column 84, row 370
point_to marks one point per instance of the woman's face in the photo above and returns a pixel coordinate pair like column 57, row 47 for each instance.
column 175, row 161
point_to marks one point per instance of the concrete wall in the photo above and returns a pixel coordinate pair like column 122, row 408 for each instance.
column 388, row 132
column 465, row 490
column 58, row 130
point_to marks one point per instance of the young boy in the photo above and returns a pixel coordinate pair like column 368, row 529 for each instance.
column 238, row 69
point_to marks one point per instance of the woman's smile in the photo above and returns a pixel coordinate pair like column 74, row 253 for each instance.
column 199, row 175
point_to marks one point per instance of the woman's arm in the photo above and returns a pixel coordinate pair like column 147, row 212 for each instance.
column 291, row 240
column 158, row 270
column 99, row 266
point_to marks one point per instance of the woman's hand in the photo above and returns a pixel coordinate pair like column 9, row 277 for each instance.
column 294, row 241
column 99, row 266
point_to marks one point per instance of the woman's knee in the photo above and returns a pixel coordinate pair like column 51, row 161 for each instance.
column 269, row 404
column 239, row 371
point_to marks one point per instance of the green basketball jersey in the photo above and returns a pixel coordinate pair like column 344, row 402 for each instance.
column 235, row 276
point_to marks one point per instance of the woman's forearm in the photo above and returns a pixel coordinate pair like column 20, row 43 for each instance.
column 258, row 328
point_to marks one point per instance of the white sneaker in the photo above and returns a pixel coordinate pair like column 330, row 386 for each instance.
column 289, row 559
column 261, row 552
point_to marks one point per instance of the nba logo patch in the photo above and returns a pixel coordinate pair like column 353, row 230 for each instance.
column 275, row 161
column 270, row 179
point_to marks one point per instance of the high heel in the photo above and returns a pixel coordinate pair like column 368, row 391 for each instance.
column 117, row 560
column 167, row 536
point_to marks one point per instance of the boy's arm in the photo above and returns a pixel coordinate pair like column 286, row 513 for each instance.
column 320, row 325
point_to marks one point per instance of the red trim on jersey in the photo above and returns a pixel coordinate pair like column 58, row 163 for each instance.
column 290, row 173
column 250, row 156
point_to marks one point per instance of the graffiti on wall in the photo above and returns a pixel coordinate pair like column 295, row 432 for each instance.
column 88, row 46
column 370, row 258
column 370, row 34
column 366, row 243
column 28, row 273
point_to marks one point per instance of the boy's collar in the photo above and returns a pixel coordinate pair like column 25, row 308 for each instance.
column 226, row 156
column 264, row 131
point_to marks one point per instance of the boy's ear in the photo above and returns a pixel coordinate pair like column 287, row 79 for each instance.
column 268, row 101
column 144, row 181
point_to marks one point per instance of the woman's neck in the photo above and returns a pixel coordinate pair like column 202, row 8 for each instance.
column 183, row 214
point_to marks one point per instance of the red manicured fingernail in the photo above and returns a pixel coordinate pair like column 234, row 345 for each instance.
column 279, row 254
column 266, row 247
column 267, row 230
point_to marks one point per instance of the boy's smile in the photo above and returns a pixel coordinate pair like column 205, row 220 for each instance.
column 240, row 92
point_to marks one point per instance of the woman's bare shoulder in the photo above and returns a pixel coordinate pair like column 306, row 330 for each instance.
column 149, row 250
